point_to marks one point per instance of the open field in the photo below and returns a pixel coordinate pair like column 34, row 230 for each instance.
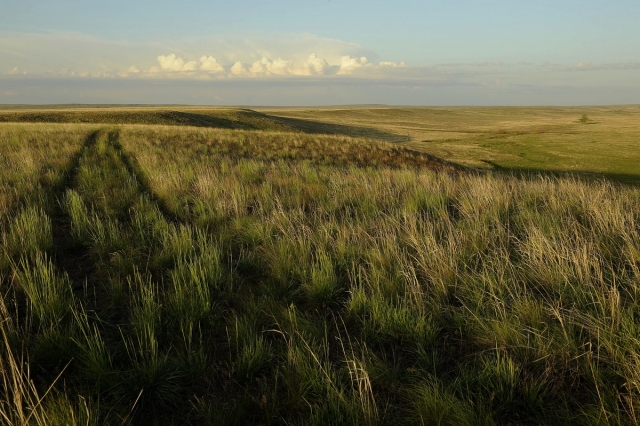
column 513, row 139
column 163, row 271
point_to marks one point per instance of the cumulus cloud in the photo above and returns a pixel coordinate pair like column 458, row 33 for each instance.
column 314, row 65
column 238, row 69
column 349, row 65
column 207, row 66
column 278, row 66
column 209, row 63
column 68, row 54
column 46, row 53
column 132, row 70
column 318, row 65
column 173, row 63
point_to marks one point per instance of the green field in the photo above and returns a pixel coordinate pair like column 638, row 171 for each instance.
column 218, row 266
column 513, row 139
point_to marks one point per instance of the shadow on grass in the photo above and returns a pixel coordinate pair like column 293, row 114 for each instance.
column 162, row 117
column 318, row 127
column 70, row 257
column 202, row 120
column 240, row 118
column 532, row 172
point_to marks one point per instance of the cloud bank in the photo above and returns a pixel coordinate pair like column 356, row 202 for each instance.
column 298, row 69
column 173, row 65
column 69, row 54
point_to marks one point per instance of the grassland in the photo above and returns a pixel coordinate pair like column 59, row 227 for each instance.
column 511, row 139
column 515, row 140
column 225, row 118
column 154, row 274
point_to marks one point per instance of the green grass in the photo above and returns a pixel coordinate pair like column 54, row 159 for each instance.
column 530, row 140
column 226, row 118
column 189, row 275
column 524, row 140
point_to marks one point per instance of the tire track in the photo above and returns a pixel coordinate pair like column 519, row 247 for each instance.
column 70, row 257
column 135, row 170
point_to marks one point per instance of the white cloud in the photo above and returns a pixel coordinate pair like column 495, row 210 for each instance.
column 65, row 54
column 314, row 65
column 238, row 69
column 71, row 54
column 318, row 65
column 132, row 70
column 173, row 63
column 209, row 63
column 348, row 64
column 266, row 66
column 392, row 64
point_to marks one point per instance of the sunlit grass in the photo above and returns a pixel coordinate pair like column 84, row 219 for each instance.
column 236, row 277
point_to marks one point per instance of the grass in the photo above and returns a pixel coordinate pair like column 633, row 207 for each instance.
column 523, row 140
column 526, row 140
column 226, row 118
column 189, row 275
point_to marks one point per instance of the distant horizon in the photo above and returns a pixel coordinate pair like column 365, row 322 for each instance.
column 239, row 106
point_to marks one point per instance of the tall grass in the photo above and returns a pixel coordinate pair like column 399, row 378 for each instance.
column 35, row 296
column 488, row 294
column 34, row 159
column 228, row 277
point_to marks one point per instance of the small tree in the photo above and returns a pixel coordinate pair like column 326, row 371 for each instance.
column 584, row 119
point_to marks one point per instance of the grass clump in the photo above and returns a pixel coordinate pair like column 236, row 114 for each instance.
column 48, row 293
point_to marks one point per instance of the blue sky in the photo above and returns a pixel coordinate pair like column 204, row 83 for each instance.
column 286, row 52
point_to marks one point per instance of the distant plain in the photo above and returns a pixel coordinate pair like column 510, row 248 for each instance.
column 517, row 139
column 512, row 138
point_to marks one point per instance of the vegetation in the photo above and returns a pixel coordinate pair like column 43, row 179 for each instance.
column 516, row 140
column 529, row 140
column 182, row 275
column 226, row 118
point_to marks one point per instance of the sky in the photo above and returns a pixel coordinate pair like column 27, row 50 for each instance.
column 320, row 52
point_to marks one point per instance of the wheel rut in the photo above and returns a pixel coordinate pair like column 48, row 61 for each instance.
column 69, row 257
column 107, row 185
column 134, row 169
